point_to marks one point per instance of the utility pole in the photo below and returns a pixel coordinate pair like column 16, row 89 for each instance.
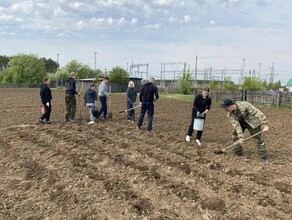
column 58, row 58
column 260, row 65
column 196, row 68
column 272, row 74
column 95, row 60
column 242, row 73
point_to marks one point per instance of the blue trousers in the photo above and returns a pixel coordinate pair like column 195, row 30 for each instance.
column 103, row 108
column 149, row 107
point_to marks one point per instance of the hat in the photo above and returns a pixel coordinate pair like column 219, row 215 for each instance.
column 226, row 103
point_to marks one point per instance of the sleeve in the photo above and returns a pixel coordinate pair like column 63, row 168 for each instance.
column 75, row 92
column 141, row 94
column 156, row 93
column 209, row 104
column 128, row 95
column 196, row 103
column 95, row 96
column 236, row 125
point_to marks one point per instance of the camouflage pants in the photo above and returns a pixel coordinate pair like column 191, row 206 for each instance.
column 258, row 139
column 70, row 106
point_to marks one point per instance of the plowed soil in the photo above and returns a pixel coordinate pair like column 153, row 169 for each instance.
column 110, row 170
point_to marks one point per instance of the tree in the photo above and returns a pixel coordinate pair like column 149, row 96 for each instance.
column 185, row 83
column 118, row 74
column 4, row 60
column 253, row 83
column 228, row 84
column 274, row 86
column 214, row 85
column 94, row 73
column 25, row 68
column 51, row 65
column 83, row 71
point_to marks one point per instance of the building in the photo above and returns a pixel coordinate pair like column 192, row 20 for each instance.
column 289, row 85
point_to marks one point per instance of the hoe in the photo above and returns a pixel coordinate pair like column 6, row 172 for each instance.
column 221, row 151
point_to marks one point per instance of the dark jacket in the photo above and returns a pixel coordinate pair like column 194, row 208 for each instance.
column 45, row 93
column 131, row 95
column 90, row 96
column 70, row 87
column 148, row 91
column 201, row 104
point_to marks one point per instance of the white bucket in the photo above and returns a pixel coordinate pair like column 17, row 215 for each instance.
column 198, row 124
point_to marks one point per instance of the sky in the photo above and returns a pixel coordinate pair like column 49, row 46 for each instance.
column 252, row 35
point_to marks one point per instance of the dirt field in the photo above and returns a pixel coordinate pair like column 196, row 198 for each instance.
column 110, row 170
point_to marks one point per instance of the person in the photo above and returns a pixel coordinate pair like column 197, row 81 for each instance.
column 146, row 96
column 46, row 98
column 244, row 115
column 103, row 94
column 70, row 98
column 131, row 99
column 90, row 98
column 201, row 106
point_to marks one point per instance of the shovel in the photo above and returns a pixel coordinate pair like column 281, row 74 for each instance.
column 110, row 114
column 221, row 151
column 130, row 109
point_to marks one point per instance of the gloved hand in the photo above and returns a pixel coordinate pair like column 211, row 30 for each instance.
column 198, row 114
column 202, row 115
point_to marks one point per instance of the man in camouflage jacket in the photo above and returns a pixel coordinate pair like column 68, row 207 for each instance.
column 244, row 115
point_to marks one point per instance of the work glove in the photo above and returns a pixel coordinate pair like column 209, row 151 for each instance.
column 198, row 114
column 202, row 115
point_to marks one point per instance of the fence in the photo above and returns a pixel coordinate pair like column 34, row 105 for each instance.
column 262, row 98
column 19, row 85
column 255, row 97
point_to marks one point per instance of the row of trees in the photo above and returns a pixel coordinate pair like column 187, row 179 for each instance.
column 30, row 69
column 250, row 83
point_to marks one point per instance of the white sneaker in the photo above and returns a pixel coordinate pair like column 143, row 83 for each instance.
column 91, row 122
column 188, row 138
column 198, row 142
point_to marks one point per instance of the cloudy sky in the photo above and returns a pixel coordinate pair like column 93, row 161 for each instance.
column 222, row 33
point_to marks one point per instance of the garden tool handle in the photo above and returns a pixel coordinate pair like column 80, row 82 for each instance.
column 243, row 140
column 130, row 109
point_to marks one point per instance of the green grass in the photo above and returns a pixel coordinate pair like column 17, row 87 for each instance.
column 177, row 97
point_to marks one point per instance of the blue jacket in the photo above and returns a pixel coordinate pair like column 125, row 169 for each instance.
column 131, row 95
column 90, row 96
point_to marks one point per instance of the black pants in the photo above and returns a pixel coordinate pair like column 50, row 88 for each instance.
column 149, row 107
column 46, row 115
column 103, row 108
column 191, row 127
column 131, row 113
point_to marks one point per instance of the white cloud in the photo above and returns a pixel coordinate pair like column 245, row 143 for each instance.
column 122, row 21
column 231, row 23
column 76, row 5
column 134, row 21
column 110, row 21
column 212, row 22
column 152, row 26
column 187, row 19
column 58, row 12
column 163, row 2
column 172, row 19
column 97, row 21
column 81, row 25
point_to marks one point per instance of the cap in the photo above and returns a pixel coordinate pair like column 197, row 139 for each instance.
column 226, row 103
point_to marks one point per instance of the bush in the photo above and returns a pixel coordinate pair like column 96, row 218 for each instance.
column 185, row 83
column 119, row 75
